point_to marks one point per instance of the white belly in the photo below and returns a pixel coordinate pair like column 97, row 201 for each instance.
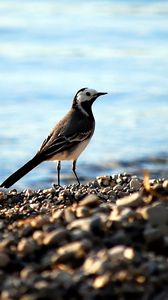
column 71, row 155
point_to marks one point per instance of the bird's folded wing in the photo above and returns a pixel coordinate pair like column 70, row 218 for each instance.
column 62, row 143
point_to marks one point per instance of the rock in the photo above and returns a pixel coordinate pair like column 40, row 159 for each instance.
column 3, row 196
column 82, row 223
column 39, row 221
column 117, row 188
column 126, row 213
column 57, row 215
column 104, row 181
column 41, row 284
column 129, row 253
column 90, row 201
column 4, row 259
column 158, row 216
column 101, row 281
column 29, row 193
column 72, row 254
column 133, row 200
column 82, row 212
column 97, row 264
column 27, row 246
column 75, row 247
column 117, row 252
column 69, row 215
column 152, row 234
column 55, row 237
column 135, row 184
column 27, row 272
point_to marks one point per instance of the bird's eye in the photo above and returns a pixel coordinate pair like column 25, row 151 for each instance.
column 87, row 94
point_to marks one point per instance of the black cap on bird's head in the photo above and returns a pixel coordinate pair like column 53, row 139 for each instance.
column 86, row 95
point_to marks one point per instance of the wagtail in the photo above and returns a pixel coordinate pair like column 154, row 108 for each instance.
column 68, row 138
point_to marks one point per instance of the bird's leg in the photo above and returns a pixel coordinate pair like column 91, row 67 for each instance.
column 74, row 170
column 58, row 170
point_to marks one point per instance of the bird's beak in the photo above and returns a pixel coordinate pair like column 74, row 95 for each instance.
column 100, row 94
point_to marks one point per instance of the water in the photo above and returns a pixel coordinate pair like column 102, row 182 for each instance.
column 49, row 50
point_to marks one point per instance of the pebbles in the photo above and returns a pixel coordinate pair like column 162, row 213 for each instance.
column 107, row 239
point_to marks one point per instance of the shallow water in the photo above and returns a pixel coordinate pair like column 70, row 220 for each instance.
column 49, row 50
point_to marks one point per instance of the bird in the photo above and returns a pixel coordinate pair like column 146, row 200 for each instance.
column 67, row 140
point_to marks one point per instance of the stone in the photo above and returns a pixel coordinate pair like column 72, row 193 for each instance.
column 104, row 181
column 55, row 237
column 3, row 196
column 90, row 201
column 133, row 200
column 4, row 259
column 82, row 212
column 29, row 193
column 117, row 252
column 129, row 253
column 135, row 184
column 69, row 215
column 27, row 246
column 101, row 281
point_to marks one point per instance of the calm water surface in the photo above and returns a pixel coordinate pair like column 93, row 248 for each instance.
column 49, row 50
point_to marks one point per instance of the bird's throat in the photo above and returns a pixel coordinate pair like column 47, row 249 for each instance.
column 86, row 108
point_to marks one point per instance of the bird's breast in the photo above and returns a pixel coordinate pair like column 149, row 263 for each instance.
column 72, row 153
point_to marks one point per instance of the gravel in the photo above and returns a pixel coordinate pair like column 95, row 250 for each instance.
column 107, row 239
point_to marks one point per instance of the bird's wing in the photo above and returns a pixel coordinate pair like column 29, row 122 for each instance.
column 63, row 142
column 70, row 131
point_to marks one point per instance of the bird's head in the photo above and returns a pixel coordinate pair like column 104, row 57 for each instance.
column 85, row 97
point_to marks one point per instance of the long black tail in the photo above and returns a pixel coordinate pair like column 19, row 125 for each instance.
column 31, row 164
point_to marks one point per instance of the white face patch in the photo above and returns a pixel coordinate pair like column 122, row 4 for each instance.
column 85, row 95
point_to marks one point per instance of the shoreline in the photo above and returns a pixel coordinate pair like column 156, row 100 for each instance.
column 107, row 238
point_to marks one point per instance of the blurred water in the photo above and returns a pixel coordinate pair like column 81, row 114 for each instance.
column 49, row 50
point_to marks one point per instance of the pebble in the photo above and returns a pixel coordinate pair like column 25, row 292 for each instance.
column 90, row 201
column 152, row 234
column 117, row 252
column 26, row 246
column 96, row 264
column 101, row 281
column 104, row 180
column 73, row 254
column 39, row 221
column 69, row 215
column 132, row 201
column 157, row 216
column 4, row 259
column 3, row 196
column 129, row 253
column 135, row 184
column 55, row 237
column 82, row 212
column 28, row 193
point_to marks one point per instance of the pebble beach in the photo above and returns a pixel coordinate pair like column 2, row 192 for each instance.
column 107, row 239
